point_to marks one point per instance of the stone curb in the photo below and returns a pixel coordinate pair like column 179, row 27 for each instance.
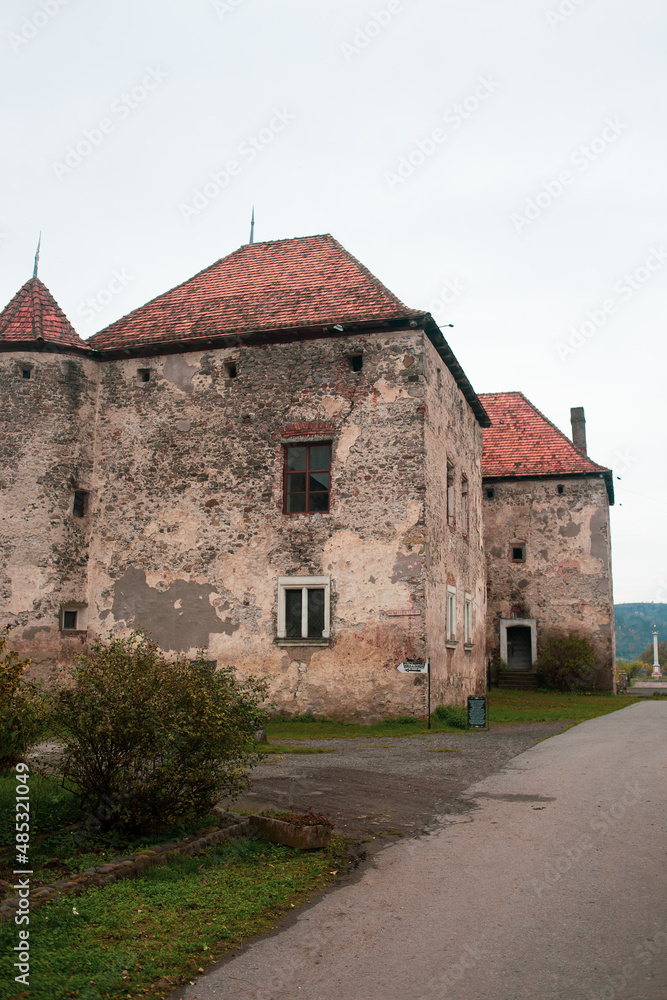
column 128, row 867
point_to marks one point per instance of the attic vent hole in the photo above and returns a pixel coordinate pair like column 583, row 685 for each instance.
column 25, row 373
column 144, row 375
column 560, row 489
column 490, row 493
column 356, row 362
column 231, row 370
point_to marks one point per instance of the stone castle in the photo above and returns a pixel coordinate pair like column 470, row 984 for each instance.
column 280, row 463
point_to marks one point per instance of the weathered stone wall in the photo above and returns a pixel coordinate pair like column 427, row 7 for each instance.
column 565, row 581
column 189, row 532
column 455, row 556
column 46, row 434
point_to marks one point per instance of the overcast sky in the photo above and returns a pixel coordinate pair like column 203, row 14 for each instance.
column 498, row 162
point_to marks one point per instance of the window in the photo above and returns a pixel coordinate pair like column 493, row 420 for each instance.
column 307, row 469
column 465, row 514
column 467, row 620
column 451, row 517
column 231, row 370
column 518, row 552
column 80, row 505
column 560, row 489
column 451, row 614
column 490, row 493
column 143, row 375
column 304, row 607
column 26, row 373
column 356, row 362
column 74, row 618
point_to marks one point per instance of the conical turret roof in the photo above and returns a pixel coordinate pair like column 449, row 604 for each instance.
column 33, row 317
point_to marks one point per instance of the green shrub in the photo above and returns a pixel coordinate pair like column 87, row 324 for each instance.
column 150, row 742
column 405, row 720
column 453, row 715
column 24, row 706
column 565, row 662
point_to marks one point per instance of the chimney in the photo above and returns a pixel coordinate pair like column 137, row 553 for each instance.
column 578, row 421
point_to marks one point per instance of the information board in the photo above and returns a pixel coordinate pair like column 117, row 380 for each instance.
column 476, row 713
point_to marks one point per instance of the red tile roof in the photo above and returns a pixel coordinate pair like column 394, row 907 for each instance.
column 307, row 282
column 34, row 317
column 521, row 442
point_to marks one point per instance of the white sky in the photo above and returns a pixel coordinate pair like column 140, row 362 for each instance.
column 534, row 80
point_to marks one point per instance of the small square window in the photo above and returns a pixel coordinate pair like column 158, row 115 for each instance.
column 231, row 369
column 518, row 553
column 356, row 362
column 26, row 373
column 74, row 618
column 307, row 478
column 80, row 504
column 143, row 375
column 561, row 489
column 304, row 607
column 490, row 493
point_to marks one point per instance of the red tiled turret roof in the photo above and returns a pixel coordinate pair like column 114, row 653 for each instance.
column 523, row 443
column 34, row 317
column 307, row 282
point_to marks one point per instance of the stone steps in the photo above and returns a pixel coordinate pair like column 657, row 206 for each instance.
column 522, row 680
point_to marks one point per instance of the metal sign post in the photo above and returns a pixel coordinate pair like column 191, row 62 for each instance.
column 419, row 668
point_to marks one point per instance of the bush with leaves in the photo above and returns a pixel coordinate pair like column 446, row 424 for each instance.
column 149, row 742
column 565, row 662
column 453, row 715
column 24, row 706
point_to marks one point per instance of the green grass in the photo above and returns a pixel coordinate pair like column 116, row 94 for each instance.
column 166, row 925
column 51, row 806
column 505, row 706
column 269, row 748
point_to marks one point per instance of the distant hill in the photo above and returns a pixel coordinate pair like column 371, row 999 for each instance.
column 634, row 628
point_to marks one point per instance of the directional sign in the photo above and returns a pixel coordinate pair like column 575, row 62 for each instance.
column 413, row 668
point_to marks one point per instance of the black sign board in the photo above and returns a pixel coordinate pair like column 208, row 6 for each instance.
column 476, row 713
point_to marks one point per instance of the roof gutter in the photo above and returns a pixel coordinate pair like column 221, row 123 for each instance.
column 434, row 334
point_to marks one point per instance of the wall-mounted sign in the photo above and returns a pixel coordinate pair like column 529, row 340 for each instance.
column 413, row 668
column 405, row 613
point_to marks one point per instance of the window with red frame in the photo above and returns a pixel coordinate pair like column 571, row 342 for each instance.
column 307, row 474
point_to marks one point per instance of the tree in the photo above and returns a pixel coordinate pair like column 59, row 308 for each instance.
column 149, row 742
column 24, row 706
column 565, row 662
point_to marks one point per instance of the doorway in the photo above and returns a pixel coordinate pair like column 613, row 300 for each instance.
column 518, row 642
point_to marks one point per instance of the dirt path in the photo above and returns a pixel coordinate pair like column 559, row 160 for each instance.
column 377, row 785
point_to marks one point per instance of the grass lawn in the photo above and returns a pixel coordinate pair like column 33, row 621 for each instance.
column 505, row 706
column 52, row 807
column 166, row 926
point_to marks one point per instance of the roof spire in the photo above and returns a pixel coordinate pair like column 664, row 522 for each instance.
column 34, row 270
column 252, row 226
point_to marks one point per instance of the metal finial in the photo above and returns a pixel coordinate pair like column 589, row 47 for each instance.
column 34, row 270
column 252, row 226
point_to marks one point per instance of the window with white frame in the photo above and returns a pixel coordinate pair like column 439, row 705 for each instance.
column 451, row 613
column 73, row 618
column 467, row 619
column 304, row 607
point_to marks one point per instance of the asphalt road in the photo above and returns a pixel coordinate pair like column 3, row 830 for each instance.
column 552, row 886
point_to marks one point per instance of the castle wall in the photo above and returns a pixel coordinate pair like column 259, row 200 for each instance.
column 564, row 584
column 46, row 446
column 455, row 549
column 190, row 538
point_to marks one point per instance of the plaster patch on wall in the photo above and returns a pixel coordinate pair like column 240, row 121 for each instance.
column 28, row 584
column 333, row 407
column 177, row 371
column 406, row 567
column 599, row 543
column 346, row 441
column 173, row 628
column 570, row 530
column 388, row 393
